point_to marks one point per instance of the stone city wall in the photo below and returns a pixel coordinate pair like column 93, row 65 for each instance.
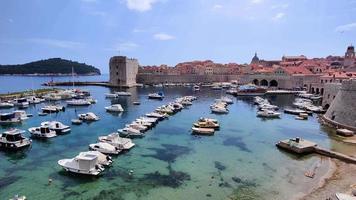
column 186, row 78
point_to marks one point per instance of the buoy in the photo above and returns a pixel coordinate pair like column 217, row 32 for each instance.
column 131, row 172
column 50, row 181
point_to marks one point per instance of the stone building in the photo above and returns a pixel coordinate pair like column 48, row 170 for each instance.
column 330, row 92
column 342, row 111
column 123, row 71
column 350, row 59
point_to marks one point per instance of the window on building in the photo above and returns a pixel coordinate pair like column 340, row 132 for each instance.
column 328, row 96
column 321, row 81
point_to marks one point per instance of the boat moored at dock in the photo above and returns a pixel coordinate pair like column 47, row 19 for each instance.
column 87, row 164
column 13, row 139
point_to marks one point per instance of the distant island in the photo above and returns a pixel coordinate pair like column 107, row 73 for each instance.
column 52, row 66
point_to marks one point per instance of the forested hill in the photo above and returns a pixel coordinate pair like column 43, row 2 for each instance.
column 54, row 66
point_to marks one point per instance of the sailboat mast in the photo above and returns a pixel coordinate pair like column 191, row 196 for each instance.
column 73, row 76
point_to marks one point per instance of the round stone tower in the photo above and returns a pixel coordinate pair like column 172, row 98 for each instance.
column 342, row 111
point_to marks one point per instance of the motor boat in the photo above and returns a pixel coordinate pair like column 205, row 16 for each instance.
column 13, row 139
column 203, row 119
column 52, row 109
column 267, row 107
column 231, row 91
column 91, row 100
column 219, row 110
column 186, row 103
column 136, row 103
column 268, row 114
column 315, row 109
column 227, row 100
column 114, row 108
column 88, row 117
column 21, row 103
column 250, row 90
column 117, row 141
column 207, row 124
column 103, row 159
column 196, row 88
column 21, row 114
column 34, row 100
column 87, row 164
column 165, row 109
column 78, row 102
column 203, row 131
column 129, row 132
column 9, row 118
column 137, row 126
column 122, row 93
column 151, row 120
column 216, row 87
column 144, row 123
column 302, row 116
column 59, row 127
column 42, row 132
column 6, row 105
column 294, row 111
column 17, row 197
column 105, row 148
column 156, row 115
column 111, row 95
column 76, row 121
column 158, row 95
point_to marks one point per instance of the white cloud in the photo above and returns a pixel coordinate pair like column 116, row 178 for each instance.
column 345, row 27
column 56, row 43
column 123, row 46
column 280, row 6
column 256, row 1
column 163, row 36
column 278, row 16
column 217, row 6
column 140, row 5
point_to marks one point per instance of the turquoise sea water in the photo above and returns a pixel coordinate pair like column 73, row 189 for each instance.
column 239, row 162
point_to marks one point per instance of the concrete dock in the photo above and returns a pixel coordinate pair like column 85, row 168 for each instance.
column 301, row 146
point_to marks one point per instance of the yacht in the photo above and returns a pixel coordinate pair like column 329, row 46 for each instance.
column 136, row 103
column 88, row 117
column 6, row 105
column 9, row 118
column 227, row 100
column 42, row 132
column 91, row 100
column 82, row 164
column 294, row 111
column 196, row 88
column 250, row 90
column 78, row 102
column 207, row 124
column 203, row 119
column 52, row 109
column 129, row 132
column 105, row 148
column 158, row 95
column 267, row 107
column 151, row 120
column 268, row 114
column 76, row 121
column 57, row 126
column 122, row 93
column 21, row 103
column 103, row 159
column 13, row 140
column 114, row 108
column 219, row 110
column 143, row 123
column 21, row 114
column 111, row 95
column 137, row 126
column 203, row 131
column 156, row 115
column 34, row 100
column 117, row 141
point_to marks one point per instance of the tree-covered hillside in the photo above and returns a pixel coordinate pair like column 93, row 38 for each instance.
column 50, row 66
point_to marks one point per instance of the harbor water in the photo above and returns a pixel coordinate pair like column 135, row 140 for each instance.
column 239, row 162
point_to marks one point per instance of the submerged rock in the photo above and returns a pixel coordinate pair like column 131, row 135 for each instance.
column 8, row 181
column 174, row 179
column 169, row 152
column 237, row 142
column 219, row 166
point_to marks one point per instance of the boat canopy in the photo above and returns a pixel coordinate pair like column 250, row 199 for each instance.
column 7, row 116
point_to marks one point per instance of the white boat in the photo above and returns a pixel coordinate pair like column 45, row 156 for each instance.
column 76, row 121
column 216, row 87
column 117, row 141
column 21, row 103
column 158, row 95
column 227, row 100
column 17, row 197
column 35, row 100
column 151, row 120
column 267, row 107
column 6, row 105
column 78, row 102
column 196, row 88
column 111, row 95
column 294, row 111
column 137, row 126
column 136, row 103
column 91, row 100
column 13, row 139
column 52, row 109
column 114, row 108
column 42, row 132
column 59, row 127
column 9, row 118
column 219, row 110
column 103, row 159
column 105, row 148
column 123, row 93
column 144, row 123
column 82, row 164
column 203, row 131
column 21, row 114
column 130, row 132
column 156, row 115
column 268, row 114
column 88, row 117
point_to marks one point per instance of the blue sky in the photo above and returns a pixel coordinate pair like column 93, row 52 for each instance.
column 172, row 31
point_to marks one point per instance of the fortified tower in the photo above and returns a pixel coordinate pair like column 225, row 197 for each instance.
column 123, row 71
column 349, row 57
column 342, row 111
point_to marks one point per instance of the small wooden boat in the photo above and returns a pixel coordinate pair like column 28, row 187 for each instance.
column 203, row 131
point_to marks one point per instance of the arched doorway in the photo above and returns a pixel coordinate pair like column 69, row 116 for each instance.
column 322, row 91
column 317, row 90
column 312, row 90
column 264, row 82
column 256, row 82
column 273, row 83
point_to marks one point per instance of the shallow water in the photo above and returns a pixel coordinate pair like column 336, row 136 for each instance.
column 240, row 161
